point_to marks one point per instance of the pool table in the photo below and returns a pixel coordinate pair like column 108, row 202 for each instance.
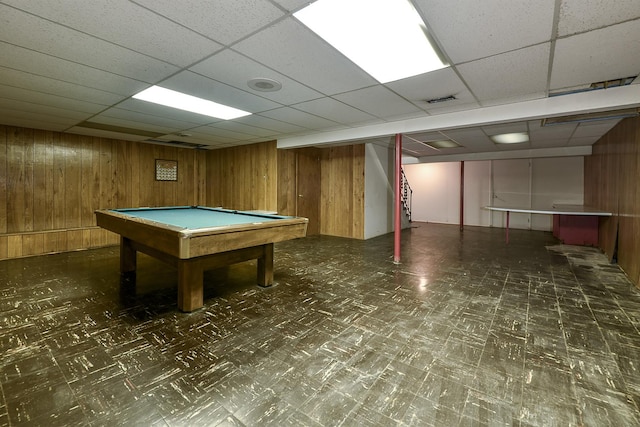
column 197, row 238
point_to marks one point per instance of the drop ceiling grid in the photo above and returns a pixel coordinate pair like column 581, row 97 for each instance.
column 45, row 99
column 120, row 21
column 304, row 57
column 336, row 111
column 213, row 18
column 277, row 126
column 461, row 26
column 598, row 55
column 207, row 88
column 378, row 101
column 437, row 84
column 577, row 16
column 516, row 73
column 236, row 70
column 46, row 85
column 32, row 62
column 301, row 118
column 74, row 46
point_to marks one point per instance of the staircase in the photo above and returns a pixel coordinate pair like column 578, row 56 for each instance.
column 406, row 194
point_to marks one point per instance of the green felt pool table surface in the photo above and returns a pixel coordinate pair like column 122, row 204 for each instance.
column 195, row 217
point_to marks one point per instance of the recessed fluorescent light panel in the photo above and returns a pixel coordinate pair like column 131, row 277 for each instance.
column 510, row 138
column 182, row 101
column 386, row 38
column 445, row 143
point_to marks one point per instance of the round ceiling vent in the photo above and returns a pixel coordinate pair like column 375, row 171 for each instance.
column 264, row 85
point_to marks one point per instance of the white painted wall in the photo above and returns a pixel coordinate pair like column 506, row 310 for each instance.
column 378, row 191
column 536, row 183
column 436, row 192
column 477, row 192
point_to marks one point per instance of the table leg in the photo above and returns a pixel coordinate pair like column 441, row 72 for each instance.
column 507, row 227
column 128, row 259
column 265, row 266
column 190, row 286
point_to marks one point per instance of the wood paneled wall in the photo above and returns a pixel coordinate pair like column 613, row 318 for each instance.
column 51, row 183
column 243, row 177
column 612, row 183
column 340, row 188
column 342, row 192
column 287, row 171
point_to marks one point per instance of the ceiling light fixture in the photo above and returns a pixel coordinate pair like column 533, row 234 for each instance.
column 182, row 101
column 386, row 38
column 510, row 138
column 264, row 85
column 445, row 143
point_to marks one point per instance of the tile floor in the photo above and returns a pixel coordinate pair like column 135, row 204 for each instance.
column 466, row 331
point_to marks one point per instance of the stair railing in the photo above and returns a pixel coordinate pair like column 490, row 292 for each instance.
column 406, row 194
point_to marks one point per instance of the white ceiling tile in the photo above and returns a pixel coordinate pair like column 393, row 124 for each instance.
column 436, row 84
column 161, row 111
column 276, row 126
column 472, row 29
column 538, row 132
column 517, row 73
column 203, row 87
column 15, row 78
column 124, row 123
column 299, row 118
column 304, row 57
column 241, row 128
column 548, row 143
column 214, row 18
column 55, row 114
column 612, row 54
column 378, row 101
column 119, row 21
column 223, row 133
column 578, row 16
column 473, row 138
column 334, row 110
column 13, row 117
column 141, row 120
column 594, row 128
column 505, row 128
column 212, row 134
column 45, row 99
column 236, row 70
column 293, row 5
column 106, row 134
column 583, row 141
column 62, row 42
column 41, row 64
column 426, row 136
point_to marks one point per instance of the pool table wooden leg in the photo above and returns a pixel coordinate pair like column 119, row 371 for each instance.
column 265, row 266
column 190, row 277
column 128, row 259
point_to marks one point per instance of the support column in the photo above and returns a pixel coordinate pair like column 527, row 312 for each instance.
column 461, row 195
column 398, row 202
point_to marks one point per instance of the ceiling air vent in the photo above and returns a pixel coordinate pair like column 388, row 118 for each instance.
column 624, row 81
column 591, row 117
column 441, row 99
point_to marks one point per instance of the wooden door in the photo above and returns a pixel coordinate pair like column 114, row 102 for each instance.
column 308, row 188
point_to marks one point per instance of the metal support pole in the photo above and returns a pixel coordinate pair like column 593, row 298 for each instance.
column 461, row 195
column 398, row 203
